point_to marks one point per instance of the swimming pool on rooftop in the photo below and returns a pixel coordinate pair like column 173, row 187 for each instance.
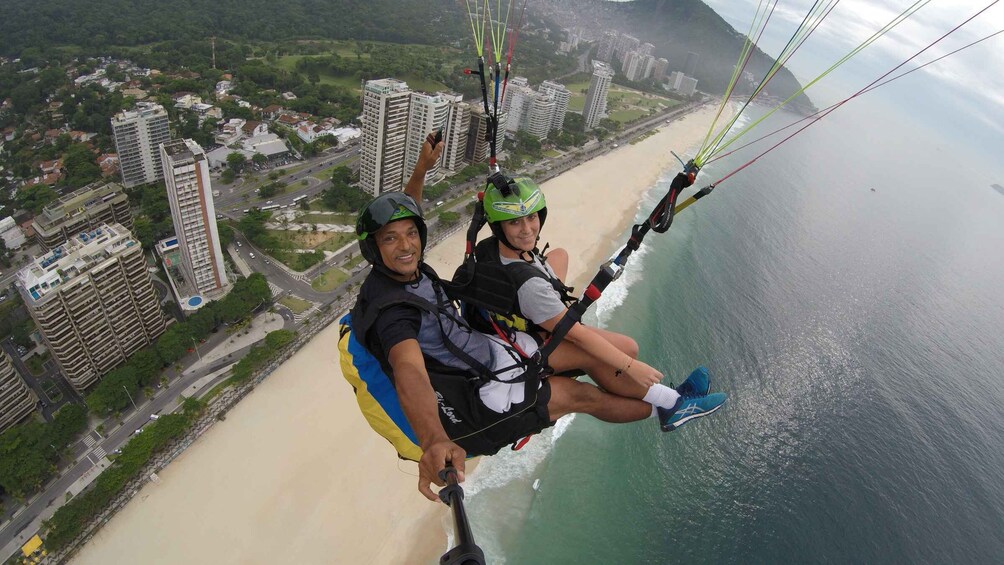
column 195, row 301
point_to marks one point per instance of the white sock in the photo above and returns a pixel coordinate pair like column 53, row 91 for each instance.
column 661, row 396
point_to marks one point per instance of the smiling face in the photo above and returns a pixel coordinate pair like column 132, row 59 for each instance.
column 521, row 233
column 400, row 246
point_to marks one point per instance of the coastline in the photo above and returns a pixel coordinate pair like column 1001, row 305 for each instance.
column 324, row 487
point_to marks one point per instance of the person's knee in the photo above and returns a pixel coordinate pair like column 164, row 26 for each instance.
column 622, row 342
column 569, row 396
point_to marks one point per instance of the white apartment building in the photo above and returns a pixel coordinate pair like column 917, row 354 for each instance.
column 595, row 107
column 538, row 115
column 681, row 83
column 190, row 193
column 429, row 113
column 455, row 133
column 93, row 302
column 385, row 130
column 138, row 133
column 516, row 103
column 561, row 96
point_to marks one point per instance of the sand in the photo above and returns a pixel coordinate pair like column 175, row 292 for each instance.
column 294, row 475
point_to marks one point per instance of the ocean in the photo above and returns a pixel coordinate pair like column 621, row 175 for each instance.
column 847, row 292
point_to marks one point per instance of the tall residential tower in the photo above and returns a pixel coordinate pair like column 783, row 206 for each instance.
column 190, row 193
column 429, row 113
column 138, row 133
column 595, row 108
column 17, row 401
column 385, row 132
column 93, row 302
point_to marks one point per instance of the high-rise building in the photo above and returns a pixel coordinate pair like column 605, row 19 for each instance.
column 455, row 134
column 17, row 401
column 538, row 115
column 190, row 194
column 385, row 132
column 561, row 96
column 82, row 210
column 625, row 43
column 634, row 66
column 429, row 112
column 659, row 69
column 595, row 107
column 605, row 51
column 138, row 133
column 93, row 302
column 516, row 104
column 690, row 67
column 478, row 149
column 682, row 83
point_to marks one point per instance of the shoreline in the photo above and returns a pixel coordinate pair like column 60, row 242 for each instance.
column 325, row 487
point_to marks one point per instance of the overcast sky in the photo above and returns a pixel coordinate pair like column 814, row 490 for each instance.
column 970, row 82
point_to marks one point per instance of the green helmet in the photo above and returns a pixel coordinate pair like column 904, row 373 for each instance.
column 524, row 198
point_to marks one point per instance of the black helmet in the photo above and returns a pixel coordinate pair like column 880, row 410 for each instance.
column 382, row 210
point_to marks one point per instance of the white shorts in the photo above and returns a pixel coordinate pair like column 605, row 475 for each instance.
column 500, row 396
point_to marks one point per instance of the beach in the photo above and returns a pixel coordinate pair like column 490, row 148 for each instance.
column 294, row 475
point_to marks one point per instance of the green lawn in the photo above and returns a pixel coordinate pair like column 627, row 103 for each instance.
column 353, row 262
column 624, row 116
column 340, row 240
column 330, row 218
column 35, row 364
column 352, row 83
column 297, row 305
column 552, row 153
column 329, row 280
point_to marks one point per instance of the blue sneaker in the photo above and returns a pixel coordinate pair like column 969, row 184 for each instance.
column 689, row 408
column 697, row 384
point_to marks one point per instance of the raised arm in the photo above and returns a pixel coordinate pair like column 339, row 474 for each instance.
column 432, row 150
column 418, row 400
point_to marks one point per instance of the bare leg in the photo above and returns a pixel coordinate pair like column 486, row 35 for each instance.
column 568, row 356
column 620, row 341
column 570, row 396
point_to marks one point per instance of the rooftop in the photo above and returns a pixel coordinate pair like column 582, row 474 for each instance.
column 78, row 202
column 73, row 259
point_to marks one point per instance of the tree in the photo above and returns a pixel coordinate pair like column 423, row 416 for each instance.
column 80, row 166
column 35, row 197
column 236, row 162
column 449, row 218
column 259, row 159
column 147, row 365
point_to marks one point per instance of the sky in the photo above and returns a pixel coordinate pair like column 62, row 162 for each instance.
column 961, row 95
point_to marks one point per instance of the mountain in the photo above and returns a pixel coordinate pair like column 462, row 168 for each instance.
column 675, row 28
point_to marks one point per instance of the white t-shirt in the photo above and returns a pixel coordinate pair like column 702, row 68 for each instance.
column 538, row 300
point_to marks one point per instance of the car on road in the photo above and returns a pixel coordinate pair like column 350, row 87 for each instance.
column 239, row 244
column 138, row 431
column 154, row 416
column 251, row 254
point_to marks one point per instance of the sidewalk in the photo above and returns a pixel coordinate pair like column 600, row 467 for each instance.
column 260, row 326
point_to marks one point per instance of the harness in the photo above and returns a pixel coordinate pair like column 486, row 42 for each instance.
column 388, row 294
column 495, row 316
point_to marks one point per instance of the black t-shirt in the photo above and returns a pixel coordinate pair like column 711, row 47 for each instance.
column 400, row 322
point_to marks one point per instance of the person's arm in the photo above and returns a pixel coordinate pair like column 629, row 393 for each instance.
column 432, row 150
column 597, row 346
column 418, row 400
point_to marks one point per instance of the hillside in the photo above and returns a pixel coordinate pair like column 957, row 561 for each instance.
column 675, row 27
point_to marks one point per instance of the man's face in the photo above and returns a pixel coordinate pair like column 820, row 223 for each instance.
column 400, row 247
